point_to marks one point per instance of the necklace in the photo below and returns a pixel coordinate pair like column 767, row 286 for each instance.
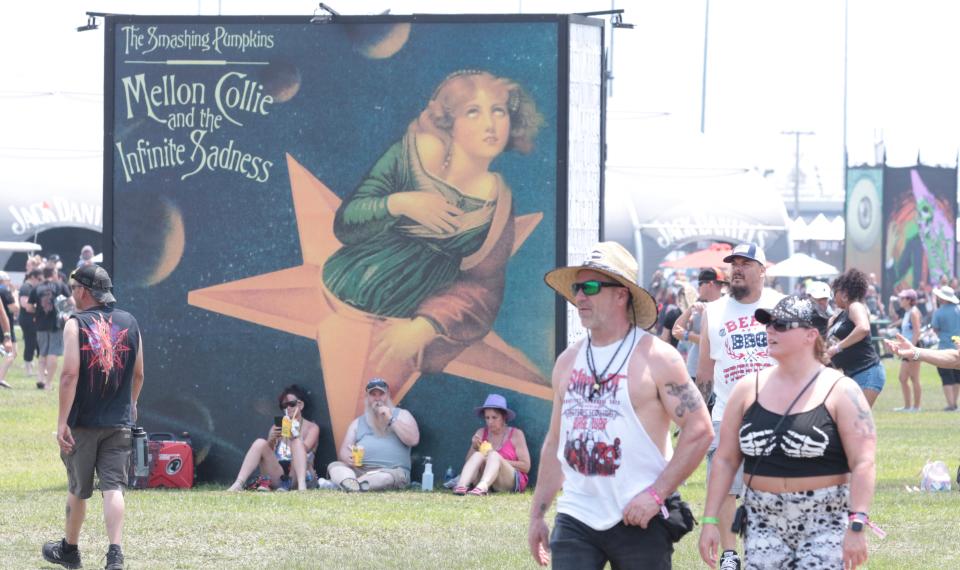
column 597, row 382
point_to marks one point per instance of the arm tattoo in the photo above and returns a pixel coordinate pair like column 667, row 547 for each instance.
column 864, row 421
column 706, row 388
column 687, row 394
column 543, row 509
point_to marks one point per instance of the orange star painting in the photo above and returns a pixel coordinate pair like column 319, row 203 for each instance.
column 345, row 335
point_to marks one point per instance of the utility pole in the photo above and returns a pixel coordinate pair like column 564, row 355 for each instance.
column 796, row 169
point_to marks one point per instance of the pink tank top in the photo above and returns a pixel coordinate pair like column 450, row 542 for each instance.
column 508, row 452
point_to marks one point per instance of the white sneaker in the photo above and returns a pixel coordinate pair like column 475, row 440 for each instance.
column 903, row 409
column 326, row 484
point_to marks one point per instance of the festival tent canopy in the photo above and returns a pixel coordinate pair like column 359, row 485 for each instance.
column 19, row 246
column 709, row 257
column 802, row 265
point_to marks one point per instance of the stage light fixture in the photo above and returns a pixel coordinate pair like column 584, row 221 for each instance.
column 91, row 24
column 327, row 18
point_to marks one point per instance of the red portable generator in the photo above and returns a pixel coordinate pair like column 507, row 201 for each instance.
column 171, row 461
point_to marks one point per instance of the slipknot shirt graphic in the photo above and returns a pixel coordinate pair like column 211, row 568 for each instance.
column 104, row 348
column 109, row 345
column 588, row 448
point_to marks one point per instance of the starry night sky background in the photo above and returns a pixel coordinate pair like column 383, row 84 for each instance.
column 218, row 377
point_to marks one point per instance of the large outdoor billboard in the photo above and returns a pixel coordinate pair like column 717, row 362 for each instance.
column 324, row 203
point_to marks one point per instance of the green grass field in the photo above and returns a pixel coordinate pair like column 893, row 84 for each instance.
column 207, row 527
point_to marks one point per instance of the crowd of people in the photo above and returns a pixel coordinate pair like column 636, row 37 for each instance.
column 40, row 304
column 375, row 452
column 774, row 391
column 775, row 386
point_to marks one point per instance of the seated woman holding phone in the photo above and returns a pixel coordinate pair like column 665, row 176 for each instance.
column 288, row 450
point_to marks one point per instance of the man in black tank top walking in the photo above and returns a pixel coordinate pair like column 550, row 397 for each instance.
column 99, row 386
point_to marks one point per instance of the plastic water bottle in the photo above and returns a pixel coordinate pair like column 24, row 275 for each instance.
column 141, row 468
column 448, row 475
column 426, row 483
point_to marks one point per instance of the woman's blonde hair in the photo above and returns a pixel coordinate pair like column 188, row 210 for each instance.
column 459, row 87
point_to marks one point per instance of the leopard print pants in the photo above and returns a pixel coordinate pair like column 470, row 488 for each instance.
column 796, row 530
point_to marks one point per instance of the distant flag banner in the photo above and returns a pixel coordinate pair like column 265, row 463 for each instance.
column 864, row 220
column 920, row 213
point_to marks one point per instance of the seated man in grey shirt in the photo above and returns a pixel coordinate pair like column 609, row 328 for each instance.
column 375, row 453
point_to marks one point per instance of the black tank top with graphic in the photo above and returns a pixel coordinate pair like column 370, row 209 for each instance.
column 807, row 444
column 109, row 342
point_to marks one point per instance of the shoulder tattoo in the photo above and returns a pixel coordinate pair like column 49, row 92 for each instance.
column 864, row 421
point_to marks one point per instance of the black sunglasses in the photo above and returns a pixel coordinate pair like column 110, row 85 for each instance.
column 289, row 404
column 781, row 326
column 592, row 287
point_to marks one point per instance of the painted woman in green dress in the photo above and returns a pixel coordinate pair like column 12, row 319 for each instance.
column 426, row 236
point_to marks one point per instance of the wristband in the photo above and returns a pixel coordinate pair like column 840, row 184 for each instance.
column 390, row 423
column 6, row 335
column 656, row 498
column 863, row 518
column 709, row 520
column 916, row 354
column 686, row 336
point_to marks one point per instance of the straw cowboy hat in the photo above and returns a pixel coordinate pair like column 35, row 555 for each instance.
column 613, row 260
column 947, row 294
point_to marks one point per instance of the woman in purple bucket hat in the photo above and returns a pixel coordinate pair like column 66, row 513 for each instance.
column 498, row 457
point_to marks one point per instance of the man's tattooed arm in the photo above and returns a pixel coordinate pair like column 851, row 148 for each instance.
column 690, row 398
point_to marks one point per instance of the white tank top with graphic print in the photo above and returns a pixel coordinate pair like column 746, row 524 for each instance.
column 606, row 456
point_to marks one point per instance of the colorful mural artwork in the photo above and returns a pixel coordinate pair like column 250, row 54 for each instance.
column 920, row 207
column 324, row 204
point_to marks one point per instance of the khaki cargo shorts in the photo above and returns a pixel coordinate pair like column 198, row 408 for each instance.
column 104, row 450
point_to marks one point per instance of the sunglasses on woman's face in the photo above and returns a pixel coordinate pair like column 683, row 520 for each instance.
column 289, row 404
column 592, row 287
column 781, row 326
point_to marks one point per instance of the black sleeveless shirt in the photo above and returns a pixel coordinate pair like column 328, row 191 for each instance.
column 109, row 342
column 855, row 358
column 807, row 444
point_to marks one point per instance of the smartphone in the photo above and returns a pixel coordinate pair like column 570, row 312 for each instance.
column 278, row 421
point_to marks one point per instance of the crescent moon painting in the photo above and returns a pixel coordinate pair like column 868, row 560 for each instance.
column 174, row 239
column 160, row 243
column 379, row 41
column 281, row 80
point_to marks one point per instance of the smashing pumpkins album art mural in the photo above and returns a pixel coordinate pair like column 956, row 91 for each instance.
column 323, row 204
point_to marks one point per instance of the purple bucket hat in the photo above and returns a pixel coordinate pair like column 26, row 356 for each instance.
column 496, row 402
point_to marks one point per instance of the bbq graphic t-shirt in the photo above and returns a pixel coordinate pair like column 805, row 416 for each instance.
column 738, row 343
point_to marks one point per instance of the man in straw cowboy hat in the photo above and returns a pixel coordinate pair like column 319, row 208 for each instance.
column 733, row 344
column 615, row 394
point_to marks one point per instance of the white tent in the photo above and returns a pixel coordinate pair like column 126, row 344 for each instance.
column 802, row 265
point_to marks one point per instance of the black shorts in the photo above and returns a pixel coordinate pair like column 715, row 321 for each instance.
column 576, row 546
column 949, row 376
